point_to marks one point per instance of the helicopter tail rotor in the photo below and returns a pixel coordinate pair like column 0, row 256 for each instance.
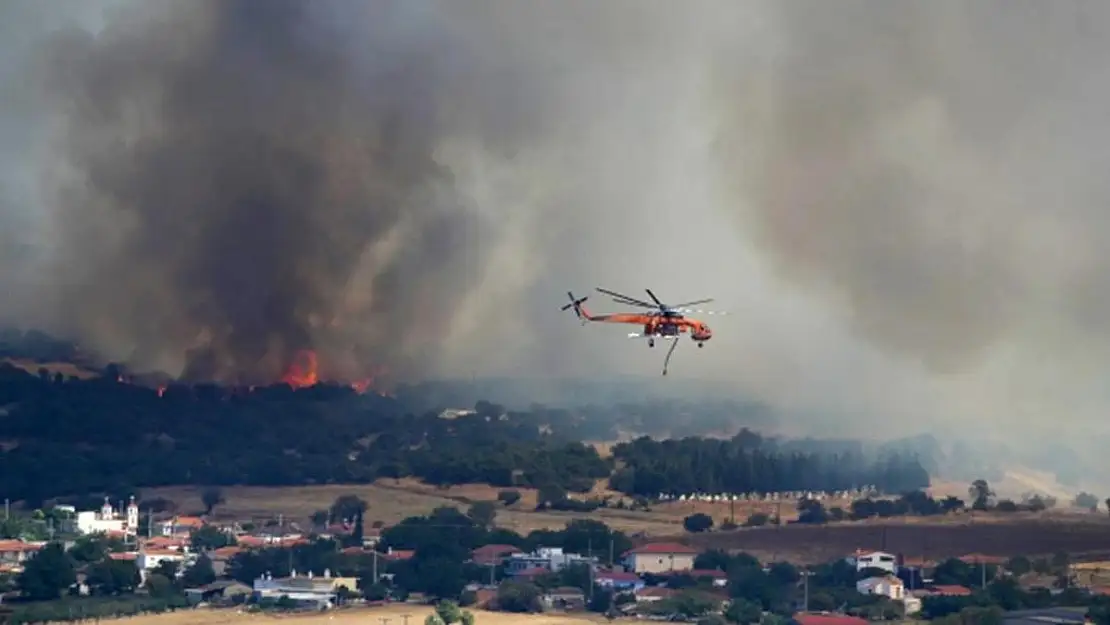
column 576, row 304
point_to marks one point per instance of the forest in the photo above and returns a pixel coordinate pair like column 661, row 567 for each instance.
column 63, row 436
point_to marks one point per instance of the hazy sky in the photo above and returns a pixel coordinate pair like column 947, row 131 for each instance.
column 901, row 204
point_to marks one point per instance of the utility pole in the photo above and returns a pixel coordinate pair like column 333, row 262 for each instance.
column 732, row 510
column 374, row 574
column 590, row 565
column 983, row 570
column 611, row 559
column 805, row 577
column 7, row 509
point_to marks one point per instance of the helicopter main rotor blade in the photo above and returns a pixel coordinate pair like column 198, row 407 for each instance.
column 624, row 299
column 693, row 303
column 655, row 299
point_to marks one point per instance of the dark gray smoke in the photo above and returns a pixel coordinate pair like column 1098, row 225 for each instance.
column 901, row 204
column 248, row 180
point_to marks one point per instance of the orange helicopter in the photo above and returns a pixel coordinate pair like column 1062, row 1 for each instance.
column 663, row 322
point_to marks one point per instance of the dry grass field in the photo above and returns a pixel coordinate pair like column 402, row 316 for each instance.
column 1083, row 538
column 386, row 615
column 931, row 538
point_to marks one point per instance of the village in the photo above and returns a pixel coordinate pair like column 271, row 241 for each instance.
column 637, row 581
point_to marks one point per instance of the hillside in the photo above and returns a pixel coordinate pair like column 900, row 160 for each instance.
column 72, row 437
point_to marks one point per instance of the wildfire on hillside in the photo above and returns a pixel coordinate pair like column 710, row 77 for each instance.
column 304, row 371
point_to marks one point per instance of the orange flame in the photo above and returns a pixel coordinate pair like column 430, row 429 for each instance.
column 302, row 371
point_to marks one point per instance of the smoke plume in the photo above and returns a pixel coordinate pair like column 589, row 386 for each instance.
column 901, row 204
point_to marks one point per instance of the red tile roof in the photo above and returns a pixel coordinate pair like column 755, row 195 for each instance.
column 491, row 554
column 617, row 576
column 978, row 558
column 18, row 546
column 828, row 619
column 399, row 554
column 663, row 548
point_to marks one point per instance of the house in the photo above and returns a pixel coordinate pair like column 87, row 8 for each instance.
column 180, row 526
column 398, row 555
column 887, row 586
column 550, row 558
column 150, row 559
column 660, row 558
column 718, row 578
column 619, row 581
column 875, row 560
column 318, row 590
column 15, row 552
column 911, row 604
column 565, row 598
column 218, row 591
column 530, row 575
column 493, row 555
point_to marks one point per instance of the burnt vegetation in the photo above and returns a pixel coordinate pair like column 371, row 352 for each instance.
column 63, row 436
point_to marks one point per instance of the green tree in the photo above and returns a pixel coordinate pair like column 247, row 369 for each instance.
column 483, row 513
column 94, row 548
column 743, row 612
column 45, row 576
column 508, row 497
column 212, row 497
column 698, row 522
column 160, row 586
column 980, row 493
column 209, row 537
column 449, row 612
column 518, row 597
column 200, row 574
column 347, row 507
column 319, row 518
column 113, row 577
column 1086, row 500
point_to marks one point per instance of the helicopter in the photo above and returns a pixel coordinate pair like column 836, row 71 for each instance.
column 662, row 322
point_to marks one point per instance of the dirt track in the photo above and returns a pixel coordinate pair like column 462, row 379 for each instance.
column 917, row 540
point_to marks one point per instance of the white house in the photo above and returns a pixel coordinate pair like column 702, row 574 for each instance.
column 150, row 559
column 888, row 586
column 108, row 521
column 180, row 526
column 875, row 560
column 305, row 588
column 550, row 558
column 660, row 558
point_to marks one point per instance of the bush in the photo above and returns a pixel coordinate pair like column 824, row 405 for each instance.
column 697, row 522
column 508, row 497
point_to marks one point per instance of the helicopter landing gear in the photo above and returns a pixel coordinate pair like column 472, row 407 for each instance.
column 700, row 344
column 651, row 342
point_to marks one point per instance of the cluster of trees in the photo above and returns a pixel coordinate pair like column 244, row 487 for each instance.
column 742, row 464
column 53, row 571
column 71, row 437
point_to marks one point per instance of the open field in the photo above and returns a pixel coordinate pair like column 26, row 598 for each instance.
column 927, row 537
column 392, row 500
column 360, row 616
column 1086, row 538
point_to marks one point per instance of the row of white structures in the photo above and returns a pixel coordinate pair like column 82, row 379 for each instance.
column 819, row 495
